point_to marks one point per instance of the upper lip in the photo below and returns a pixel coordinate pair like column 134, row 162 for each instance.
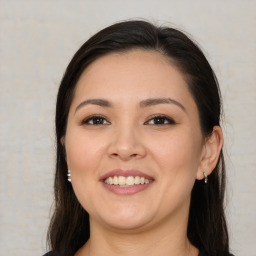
column 125, row 173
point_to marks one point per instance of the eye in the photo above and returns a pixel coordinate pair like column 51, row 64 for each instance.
column 160, row 120
column 95, row 120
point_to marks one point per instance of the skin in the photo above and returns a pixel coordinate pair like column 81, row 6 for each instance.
column 175, row 154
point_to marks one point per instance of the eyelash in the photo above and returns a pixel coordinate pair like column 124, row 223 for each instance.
column 101, row 119
column 94, row 118
column 167, row 120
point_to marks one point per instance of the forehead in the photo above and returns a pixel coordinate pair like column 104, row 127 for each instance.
column 133, row 62
column 135, row 71
column 127, row 79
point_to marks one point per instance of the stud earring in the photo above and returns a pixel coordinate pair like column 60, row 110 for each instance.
column 69, row 175
column 205, row 177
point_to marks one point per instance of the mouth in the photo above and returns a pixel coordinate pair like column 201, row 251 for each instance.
column 127, row 182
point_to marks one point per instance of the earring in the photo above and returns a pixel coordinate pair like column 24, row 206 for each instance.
column 205, row 177
column 69, row 175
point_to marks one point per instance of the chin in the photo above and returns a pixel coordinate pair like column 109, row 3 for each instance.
column 126, row 219
column 126, row 224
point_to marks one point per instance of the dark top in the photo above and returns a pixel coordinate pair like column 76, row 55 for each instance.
column 201, row 253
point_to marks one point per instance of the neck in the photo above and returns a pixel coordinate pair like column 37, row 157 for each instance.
column 165, row 239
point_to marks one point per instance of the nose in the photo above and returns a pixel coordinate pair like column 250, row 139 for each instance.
column 127, row 144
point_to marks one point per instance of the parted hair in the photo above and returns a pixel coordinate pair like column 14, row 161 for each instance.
column 69, row 227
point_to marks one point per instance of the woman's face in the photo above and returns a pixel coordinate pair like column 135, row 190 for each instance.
column 133, row 141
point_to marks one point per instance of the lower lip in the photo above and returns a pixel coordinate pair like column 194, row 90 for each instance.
column 129, row 190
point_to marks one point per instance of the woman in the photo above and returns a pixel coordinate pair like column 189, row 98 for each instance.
column 140, row 168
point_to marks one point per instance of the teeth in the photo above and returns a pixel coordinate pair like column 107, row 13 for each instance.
column 115, row 180
column 126, row 181
column 129, row 180
column 121, row 180
column 110, row 180
column 137, row 180
column 146, row 181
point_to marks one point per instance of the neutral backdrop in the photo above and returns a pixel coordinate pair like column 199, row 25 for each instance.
column 37, row 40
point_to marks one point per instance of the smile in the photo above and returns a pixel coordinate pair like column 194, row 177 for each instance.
column 126, row 181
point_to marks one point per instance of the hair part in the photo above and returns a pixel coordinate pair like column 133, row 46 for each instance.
column 207, row 230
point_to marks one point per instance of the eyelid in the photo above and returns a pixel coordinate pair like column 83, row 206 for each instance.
column 169, row 119
column 86, row 120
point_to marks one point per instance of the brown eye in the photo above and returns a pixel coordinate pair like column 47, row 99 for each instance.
column 96, row 120
column 160, row 120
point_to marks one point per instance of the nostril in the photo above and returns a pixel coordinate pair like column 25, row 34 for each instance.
column 124, row 155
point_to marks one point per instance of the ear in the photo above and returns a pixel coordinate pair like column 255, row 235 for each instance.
column 210, row 153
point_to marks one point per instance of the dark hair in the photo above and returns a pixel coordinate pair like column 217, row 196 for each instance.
column 207, row 230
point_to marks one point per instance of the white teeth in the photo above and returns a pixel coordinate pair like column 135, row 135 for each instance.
column 115, row 180
column 121, row 180
column 146, row 181
column 129, row 180
column 126, row 181
column 137, row 180
column 110, row 180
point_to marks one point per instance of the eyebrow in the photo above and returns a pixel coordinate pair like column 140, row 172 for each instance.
column 143, row 104
column 156, row 101
column 99, row 102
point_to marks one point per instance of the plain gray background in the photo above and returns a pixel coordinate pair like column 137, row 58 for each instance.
column 37, row 40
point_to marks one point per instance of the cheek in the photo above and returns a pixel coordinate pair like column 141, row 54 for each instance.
column 83, row 158
column 83, row 152
column 178, row 160
column 179, row 153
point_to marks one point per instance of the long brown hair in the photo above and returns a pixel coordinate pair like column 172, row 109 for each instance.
column 69, row 227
